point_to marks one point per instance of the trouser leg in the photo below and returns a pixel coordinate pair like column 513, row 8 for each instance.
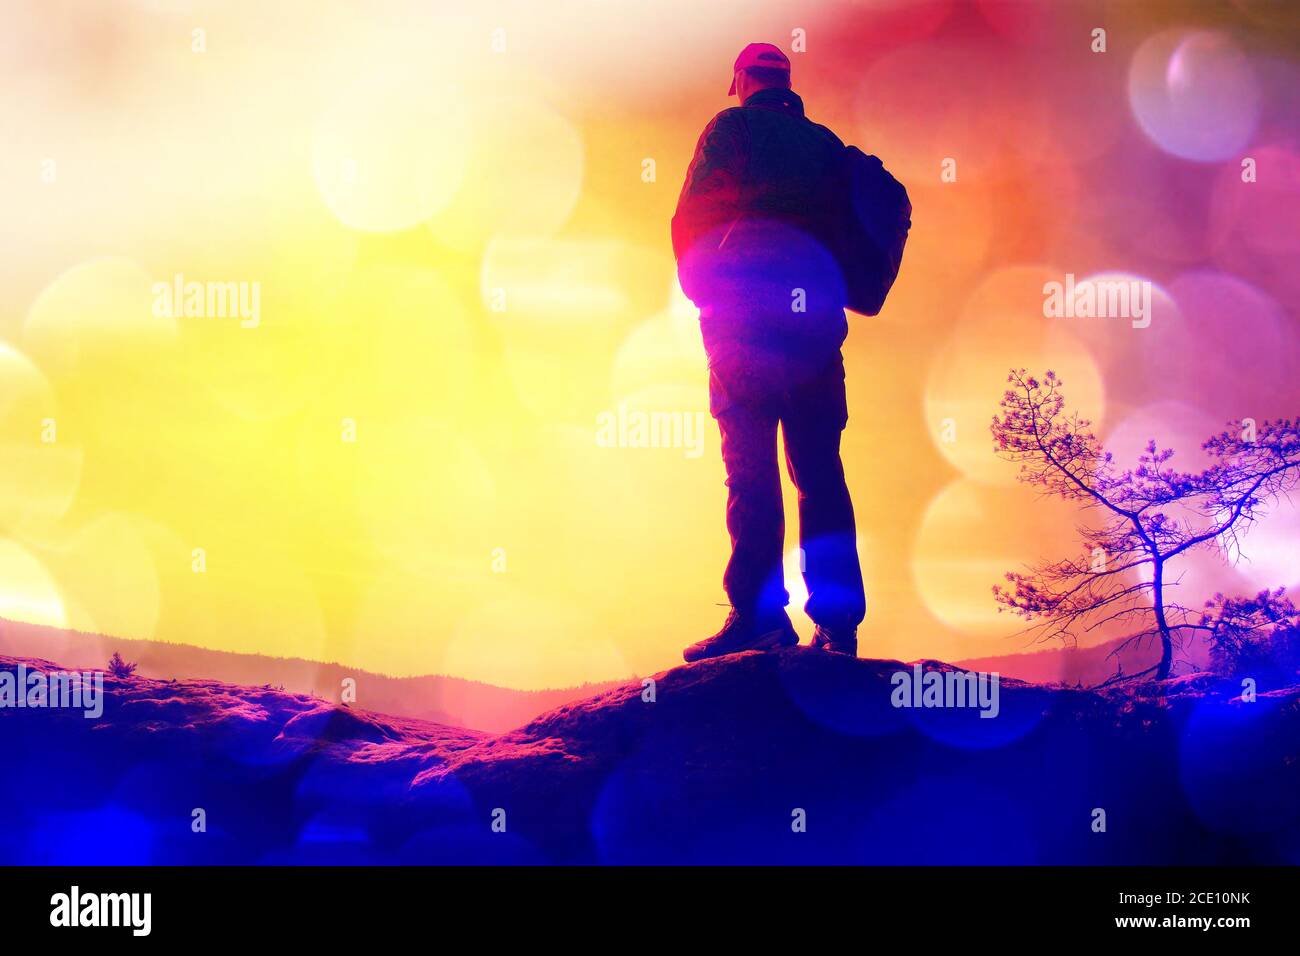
column 753, row 579
column 812, row 424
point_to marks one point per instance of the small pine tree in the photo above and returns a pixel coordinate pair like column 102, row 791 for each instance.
column 1149, row 515
column 119, row 667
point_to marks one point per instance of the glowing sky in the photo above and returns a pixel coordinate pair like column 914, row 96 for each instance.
column 456, row 218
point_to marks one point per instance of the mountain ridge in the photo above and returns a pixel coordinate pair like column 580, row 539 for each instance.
column 437, row 697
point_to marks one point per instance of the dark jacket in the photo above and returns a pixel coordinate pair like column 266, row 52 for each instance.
column 749, row 231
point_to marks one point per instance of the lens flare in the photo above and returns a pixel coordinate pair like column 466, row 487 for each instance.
column 1194, row 94
column 792, row 568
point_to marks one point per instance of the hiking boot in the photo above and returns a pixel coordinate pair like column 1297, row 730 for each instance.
column 839, row 640
column 744, row 632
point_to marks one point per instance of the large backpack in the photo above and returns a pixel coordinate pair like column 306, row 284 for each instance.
column 870, row 215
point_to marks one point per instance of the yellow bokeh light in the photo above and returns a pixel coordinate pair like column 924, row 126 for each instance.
column 561, row 307
column 970, row 537
column 523, row 175
column 27, row 591
column 107, row 573
column 1002, row 327
column 40, row 469
column 391, row 151
column 656, row 353
column 97, row 317
column 551, row 281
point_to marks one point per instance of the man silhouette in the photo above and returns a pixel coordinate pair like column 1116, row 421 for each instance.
column 749, row 237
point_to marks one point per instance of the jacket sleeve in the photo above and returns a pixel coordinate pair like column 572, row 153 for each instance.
column 710, row 197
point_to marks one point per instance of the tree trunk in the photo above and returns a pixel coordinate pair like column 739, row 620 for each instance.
column 1166, row 637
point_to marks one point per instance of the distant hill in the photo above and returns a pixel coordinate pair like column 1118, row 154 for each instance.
column 465, row 703
column 1088, row 666
column 444, row 700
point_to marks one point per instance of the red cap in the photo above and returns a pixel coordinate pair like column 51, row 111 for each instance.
column 758, row 54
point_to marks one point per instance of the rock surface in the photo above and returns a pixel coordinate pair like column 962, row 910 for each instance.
column 792, row 756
